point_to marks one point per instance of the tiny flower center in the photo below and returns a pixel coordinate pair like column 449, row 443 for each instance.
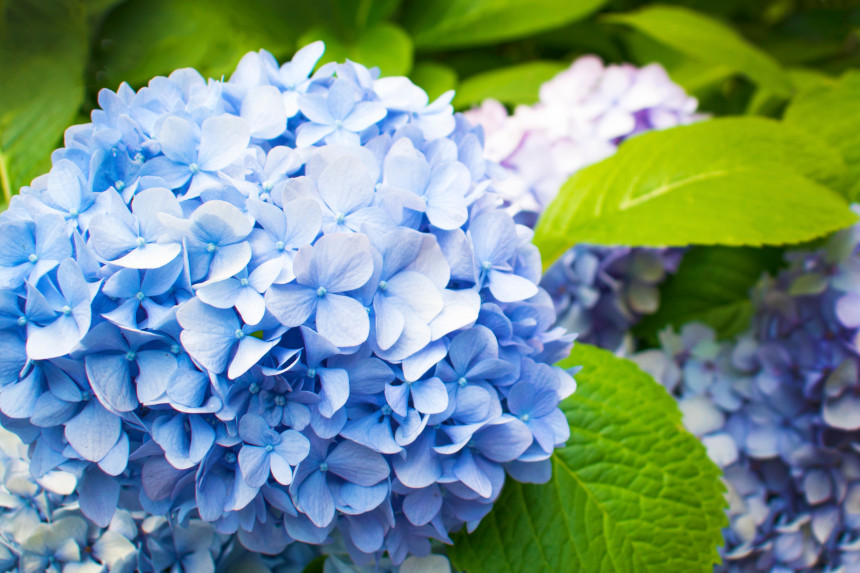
column 22, row 321
column 211, row 247
column 243, row 282
column 130, row 355
column 230, row 458
column 140, row 295
column 194, row 168
column 174, row 348
column 323, row 467
column 386, row 410
column 33, row 258
column 462, row 381
column 525, row 417
column 487, row 265
column 338, row 123
column 339, row 218
column 280, row 246
column 269, row 447
column 312, row 372
column 280, row 400
column 119, row 184
column 67, row 310
column 267, row 186
column 85, row 395
column 321, row 292
column 138, row 158
column 254, row 388
column 383, row 285
column 240, row 334
column 74, row 213
column 141, row 241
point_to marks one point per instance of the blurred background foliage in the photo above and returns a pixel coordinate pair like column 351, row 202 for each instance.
column 736, row 56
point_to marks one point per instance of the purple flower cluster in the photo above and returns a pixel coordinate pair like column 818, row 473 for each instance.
column 286, row 305
column 779, row 410
column 584, row 113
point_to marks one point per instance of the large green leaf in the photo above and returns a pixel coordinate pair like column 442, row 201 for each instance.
column 145, row 38
column 712, row 286
column 434, row 78
column 43, row 52
column 514, row 85
column 707, row 39
column 732, row 181
column 833, row 113
column 384, row 45
column 456, row 23
column 631, row 490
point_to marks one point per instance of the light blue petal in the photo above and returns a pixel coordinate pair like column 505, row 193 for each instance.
column 110, row 378
column 179, row 139
column 263, row 110
column 254, row 462
column 357, row 464
column 292, row 304
column 93, row 432
column 315, row 500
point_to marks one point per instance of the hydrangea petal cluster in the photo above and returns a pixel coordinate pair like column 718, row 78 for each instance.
column 286, row 305
column 779, row 409
column 584, row 113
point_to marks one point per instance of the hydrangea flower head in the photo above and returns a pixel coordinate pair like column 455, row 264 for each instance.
column 778, row 409
column 284, row 306
column 584, row 113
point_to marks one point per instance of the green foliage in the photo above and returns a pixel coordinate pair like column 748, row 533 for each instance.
column 456, row 23
column 43, row 51
column 434, row 78
column 712, row 286
column 709, row 40
column 731, row 181
column 833, row 113
column 513, row 85
column 631, row 490
column 145, row 38
column 384, row 45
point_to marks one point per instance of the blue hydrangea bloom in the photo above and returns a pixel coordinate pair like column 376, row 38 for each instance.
column 778, row 409
column 281, row 307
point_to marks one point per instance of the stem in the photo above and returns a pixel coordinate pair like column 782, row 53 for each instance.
column 4, row 179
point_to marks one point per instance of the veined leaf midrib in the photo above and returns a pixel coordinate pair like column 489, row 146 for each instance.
column 629, row 202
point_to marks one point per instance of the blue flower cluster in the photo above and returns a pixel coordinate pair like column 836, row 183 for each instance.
column 286, row 304
column 779, row 409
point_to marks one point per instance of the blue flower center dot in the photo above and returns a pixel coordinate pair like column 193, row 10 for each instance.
column 243, row 282
column 280, row 246
column 130, row 355
column 33, row 258
column 269, row 447
column 140, row 295
column 240, row 334
column 267, row 186
column 22, row 321
column 338, row 123
column 462, row 381
column 383, row 285
column 338, row 218
column 211, row 247
column 525, row 417
column 138, row 158
column 175, row 349
column 141, row 241
column 194, row 168
column 323, row 467
column 119, row 184
column 312, row 372
column 280, row 400
column 487, row 265
column 230, row 457
column 254, row 388
column 85, row 396
column 386, row 410
column 67, row 310
column 74, row 213
column 321, row 292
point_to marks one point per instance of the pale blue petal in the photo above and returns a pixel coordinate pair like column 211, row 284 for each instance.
column 110, row 378
column 292, row 304
column 342, row 320
column 179, row 139
column 93, row 432
column 223, row 139
column 254, row 462
column 357, row 464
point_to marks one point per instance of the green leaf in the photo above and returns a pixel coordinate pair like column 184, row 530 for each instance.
column 514, row 85
column 833, row 113
column 145, row 38
column 434, row 78
column 43, row 53
column 707, row 39
column 384, row 45
column 731, row 181
column 631, row 490
column 444, row 24
column 712, row 286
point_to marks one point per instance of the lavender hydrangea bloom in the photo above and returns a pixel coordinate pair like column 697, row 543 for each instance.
column 777, row 408
column 583, row 114
column 238, row 312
